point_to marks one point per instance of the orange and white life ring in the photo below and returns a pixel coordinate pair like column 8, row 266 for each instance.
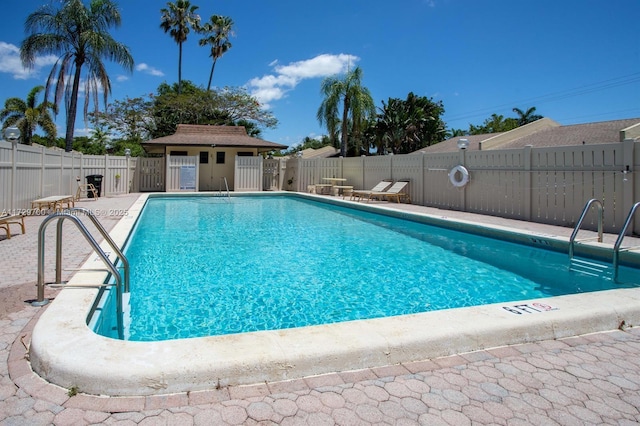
column 459, row 171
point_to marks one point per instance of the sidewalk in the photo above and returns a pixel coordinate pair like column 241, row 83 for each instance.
column 592, row 379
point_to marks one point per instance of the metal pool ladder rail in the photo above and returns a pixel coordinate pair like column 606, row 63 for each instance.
column 616, row 246
column 581, row 265
column 71, row 214
column 223, row 181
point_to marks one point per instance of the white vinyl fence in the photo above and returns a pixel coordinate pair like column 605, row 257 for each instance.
column 545, row 185
column 182, row 173
column 31, row 172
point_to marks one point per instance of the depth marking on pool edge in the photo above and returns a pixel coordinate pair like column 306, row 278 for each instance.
column 533, row 308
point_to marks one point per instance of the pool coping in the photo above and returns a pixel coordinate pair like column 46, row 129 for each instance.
column 64, row 351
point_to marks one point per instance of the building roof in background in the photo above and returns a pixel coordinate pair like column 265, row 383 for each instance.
column 206, row 135
column 451, row 145
column 576, row 134
column 324, row 152
column 546, row 133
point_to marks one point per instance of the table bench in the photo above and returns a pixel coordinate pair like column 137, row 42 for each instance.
column 322, row 188
column 54, row 202
column 15, row 219
column 346, row 190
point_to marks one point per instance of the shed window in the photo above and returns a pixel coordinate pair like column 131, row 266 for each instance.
column 204, row 157
column 245, row 154
column 220, row 157
column 178, row 153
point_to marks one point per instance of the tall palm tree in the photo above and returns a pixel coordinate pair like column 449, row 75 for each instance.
column 526, row 117
column 27, row 115
column 79, row 34
column 177, row 20
column 357, row 107
column 216, row 34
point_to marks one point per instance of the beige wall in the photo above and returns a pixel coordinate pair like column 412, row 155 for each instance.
column 211, row 173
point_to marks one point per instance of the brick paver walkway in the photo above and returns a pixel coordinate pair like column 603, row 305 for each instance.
column 585, row 380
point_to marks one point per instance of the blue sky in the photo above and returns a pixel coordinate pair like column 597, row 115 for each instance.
column 576, row 61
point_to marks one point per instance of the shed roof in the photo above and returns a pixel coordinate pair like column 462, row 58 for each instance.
column 207, row 135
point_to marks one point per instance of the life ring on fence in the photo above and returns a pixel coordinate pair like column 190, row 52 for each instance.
column 464, row 176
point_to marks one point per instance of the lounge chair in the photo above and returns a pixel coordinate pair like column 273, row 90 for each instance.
column 360, row 193
column 395, row 192
column 7, row 220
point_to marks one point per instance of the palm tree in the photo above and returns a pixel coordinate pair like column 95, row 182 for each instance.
column 217, row 33
column 177, row 20
column 527, row 116
column 27, row 116
column 80, row 36
column 357, row 107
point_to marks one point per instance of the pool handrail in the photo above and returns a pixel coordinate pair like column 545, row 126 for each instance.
column 623, row 231
column 586, row 209
column 67, row 214
column 108, row 239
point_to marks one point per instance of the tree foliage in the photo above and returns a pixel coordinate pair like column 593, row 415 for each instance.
column 498, row 123
column 404, row 126
column 494, row 124
column 80, row 36
column 216, row 34
column 177, row 19
column 129, row 119
column 28, row 115
column 228, row 106
column 348, row 105
column 526, row 117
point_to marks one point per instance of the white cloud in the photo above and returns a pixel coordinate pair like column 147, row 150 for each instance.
column 10, row 62
column 274, row 86
column 149, row 70
column 121, row 77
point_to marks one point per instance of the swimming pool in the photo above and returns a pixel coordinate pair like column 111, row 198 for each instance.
column 211, row 266
column 64, row 350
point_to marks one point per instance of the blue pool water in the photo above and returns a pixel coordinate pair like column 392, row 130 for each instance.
column 203, row 266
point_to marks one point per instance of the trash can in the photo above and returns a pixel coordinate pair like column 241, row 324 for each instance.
column 96, row 181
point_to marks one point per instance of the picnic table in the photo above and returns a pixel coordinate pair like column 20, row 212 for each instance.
column 54, row 202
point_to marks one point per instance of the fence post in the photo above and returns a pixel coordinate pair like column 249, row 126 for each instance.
column 463, row 193
column 527, row 182
column 167, row 174
column 628, row 180
column 423, row 180
column 106, row 183
column 14, row 176
column 42, row 169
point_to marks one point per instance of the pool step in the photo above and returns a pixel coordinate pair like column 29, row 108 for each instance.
column 591, row 267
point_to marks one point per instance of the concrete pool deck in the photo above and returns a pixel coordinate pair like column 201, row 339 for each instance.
column 470, row 386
